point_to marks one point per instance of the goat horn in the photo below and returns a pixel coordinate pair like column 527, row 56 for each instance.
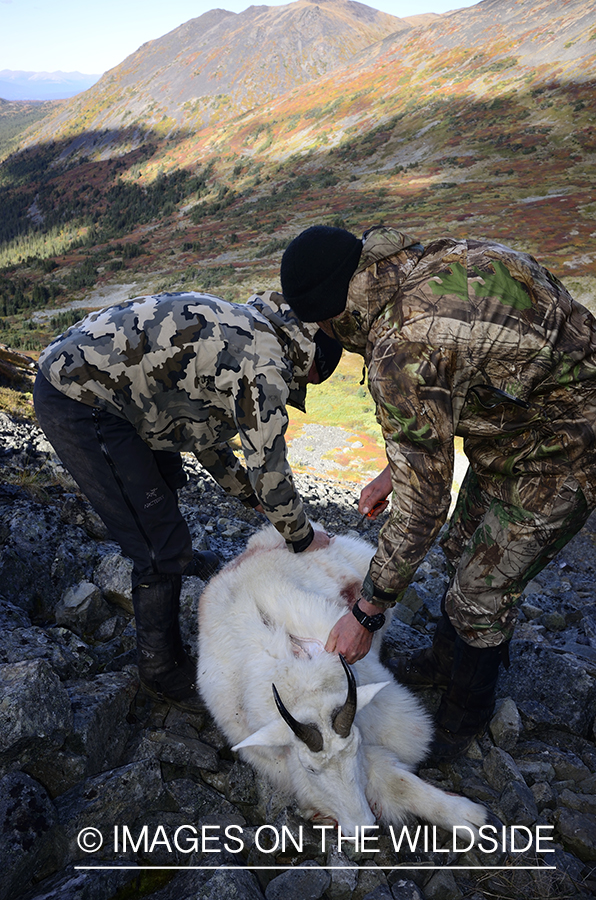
column 344, row 717
column 308, row 734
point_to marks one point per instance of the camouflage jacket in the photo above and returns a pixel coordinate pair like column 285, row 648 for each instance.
column 190, row 371
column 475, row 339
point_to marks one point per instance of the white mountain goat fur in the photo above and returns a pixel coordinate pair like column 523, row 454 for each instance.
column 263, row 621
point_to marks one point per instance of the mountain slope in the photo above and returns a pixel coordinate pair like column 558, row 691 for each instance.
column 223, row 62
column 480, row 124
column 557, row 35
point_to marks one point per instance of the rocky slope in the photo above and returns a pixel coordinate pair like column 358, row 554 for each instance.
column 81, row 748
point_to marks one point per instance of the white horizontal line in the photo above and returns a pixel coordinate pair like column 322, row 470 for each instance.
column 331, row 868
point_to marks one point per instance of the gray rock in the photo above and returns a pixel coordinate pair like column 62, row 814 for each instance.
column 584, row 803
column 58, row 770
column 588, row 785
column 73, row 885
column 185, row 885
column 530, row 610
column 412, row 599
column 559, row 682
column 82, row 608
column 113, row 575
column 517, row 804
column 505, row 726
column 369, row 878
column 404, row 889
column 242, row 784
column 578, row 833
column 402, row 638
column 100, row 728
column 35, row 710
column 500, row 769
column 544, row 796
column 178, row 749
column 123, row 795
column 31, row 842
column 77, row 511
column 12, row 617
column 198, row 801
column 403, row 613
column 232, row 885
column 535, row 770
column 41, row 556
column 554, row 621
column 344, row 879
column 110, row 628
column 442, row 886
column 381, row 892
column 32, row 642
column 568, row 766
column 305, row 882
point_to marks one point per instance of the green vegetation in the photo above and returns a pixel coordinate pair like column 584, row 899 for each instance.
column 15, row 117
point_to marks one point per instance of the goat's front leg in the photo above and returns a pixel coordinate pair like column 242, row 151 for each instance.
column 393, row 792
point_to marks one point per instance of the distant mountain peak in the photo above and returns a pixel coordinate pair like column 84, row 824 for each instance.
column 25, row 85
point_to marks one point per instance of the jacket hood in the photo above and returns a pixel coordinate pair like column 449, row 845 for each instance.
column 296, row 338
column 388, row 257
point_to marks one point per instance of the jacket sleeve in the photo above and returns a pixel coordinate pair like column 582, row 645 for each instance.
column 410, row 383
column 261, row 419
column 223, row 465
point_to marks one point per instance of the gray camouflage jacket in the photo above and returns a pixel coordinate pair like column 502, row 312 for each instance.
column 190, row 371
column 475, row 339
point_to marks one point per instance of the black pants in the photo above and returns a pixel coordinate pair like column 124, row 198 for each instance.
column 130, row 486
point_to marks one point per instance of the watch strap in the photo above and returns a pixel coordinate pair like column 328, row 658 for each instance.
column 371, row 623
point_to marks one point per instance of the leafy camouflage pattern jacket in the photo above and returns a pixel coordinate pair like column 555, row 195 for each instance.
column 475, row 339
column 190, row 371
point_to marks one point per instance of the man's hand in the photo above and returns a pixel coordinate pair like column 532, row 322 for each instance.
column 349, row 637
column 376, row 492
column 319, row 541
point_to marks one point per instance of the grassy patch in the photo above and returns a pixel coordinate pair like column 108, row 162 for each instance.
column 17, row 403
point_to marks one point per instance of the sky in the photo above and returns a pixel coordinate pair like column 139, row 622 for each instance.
column 92, row 37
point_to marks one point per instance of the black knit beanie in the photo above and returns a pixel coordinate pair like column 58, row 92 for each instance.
column 316, row 269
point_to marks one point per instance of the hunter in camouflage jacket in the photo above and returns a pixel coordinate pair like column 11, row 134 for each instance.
column 190, row 371
column 475, row 339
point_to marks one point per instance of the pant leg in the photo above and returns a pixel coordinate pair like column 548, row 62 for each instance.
column 171, row 468
column 470, row 508
column 119, row 474
column 509, row 547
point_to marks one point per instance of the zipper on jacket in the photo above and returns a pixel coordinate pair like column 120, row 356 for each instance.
column 499, row 397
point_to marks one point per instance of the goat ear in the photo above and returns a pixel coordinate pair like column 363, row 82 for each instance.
column 274, row 734
column 366, row 692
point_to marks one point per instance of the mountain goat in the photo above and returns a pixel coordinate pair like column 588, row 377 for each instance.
column 341, row 742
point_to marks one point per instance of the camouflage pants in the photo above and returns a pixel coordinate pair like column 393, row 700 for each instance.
column 494, row 549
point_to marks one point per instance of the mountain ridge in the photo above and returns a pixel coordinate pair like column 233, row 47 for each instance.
column 459, row 126
column 209, row 64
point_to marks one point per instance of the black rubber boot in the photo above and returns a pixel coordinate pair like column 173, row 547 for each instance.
column 166, row 672
column 430, row 667
column 468, row 703
column 204, row 564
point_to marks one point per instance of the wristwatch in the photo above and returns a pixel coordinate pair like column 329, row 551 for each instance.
column 371, row 623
